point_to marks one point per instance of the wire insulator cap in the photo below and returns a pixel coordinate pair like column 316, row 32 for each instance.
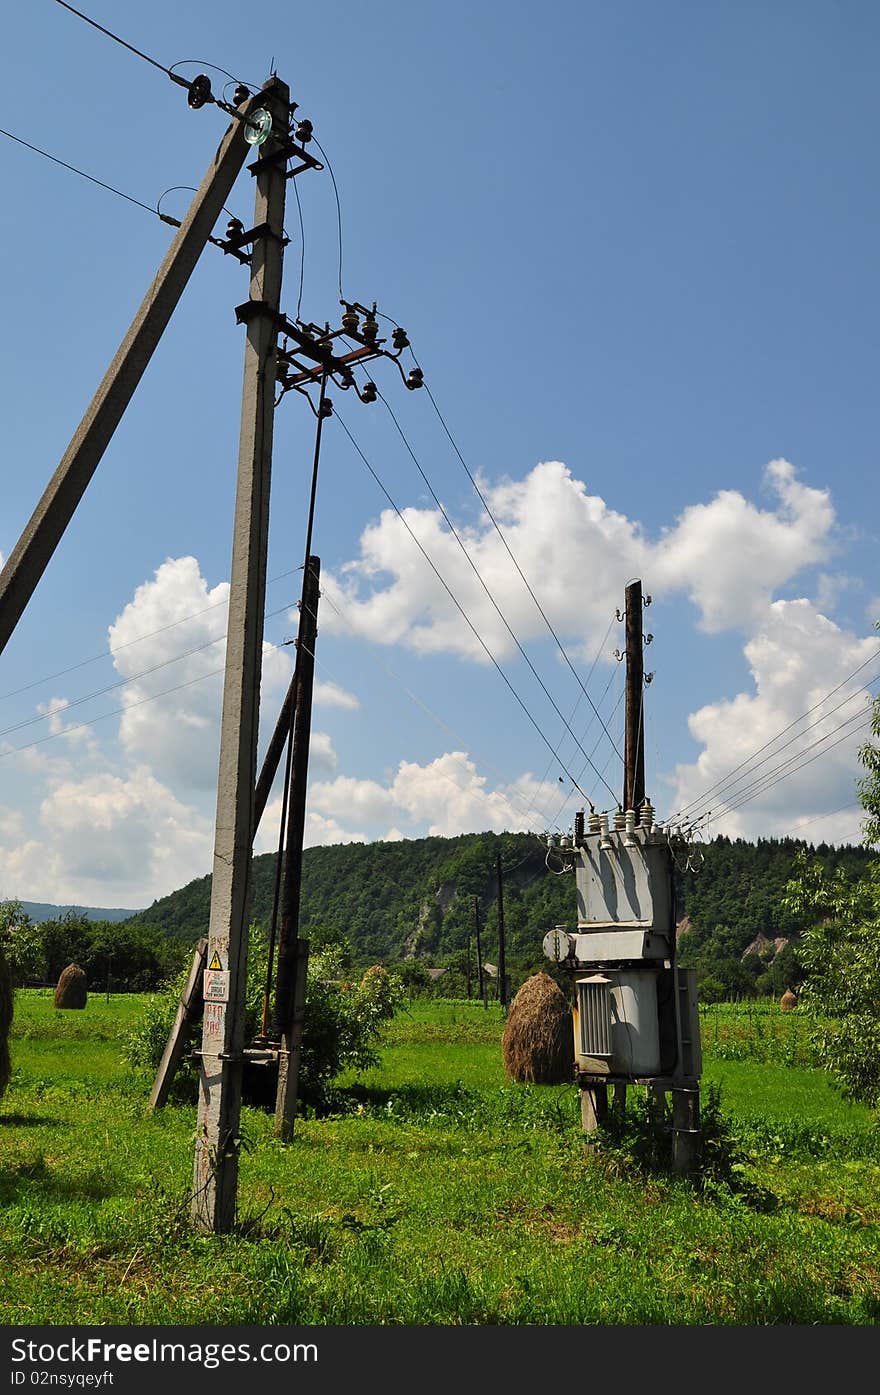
column 350, row 320
column 234, row 229
column 370, row 327
column 369, row 392
column 304, row 130
column 240, row 94
column 399, row 338
column 199, row 92
column 326, row 408
column 416, row 378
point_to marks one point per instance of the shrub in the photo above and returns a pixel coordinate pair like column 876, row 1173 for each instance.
column 343, row 1019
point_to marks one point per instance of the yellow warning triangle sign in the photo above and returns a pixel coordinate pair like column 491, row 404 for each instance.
column 215, row 961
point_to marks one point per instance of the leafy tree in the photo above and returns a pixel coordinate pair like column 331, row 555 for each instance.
column 869, row 785
column 20, row 942
column 841, row 950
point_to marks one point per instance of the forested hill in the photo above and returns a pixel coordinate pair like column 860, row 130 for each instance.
column 415, row 898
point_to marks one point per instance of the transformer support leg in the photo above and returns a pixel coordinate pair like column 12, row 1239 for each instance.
column 619, row 1101
column 594, row 1107
column 686, row 1132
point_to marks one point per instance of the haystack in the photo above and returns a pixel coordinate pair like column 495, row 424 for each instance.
column 788, row 1001
column 537, row 1042
column 71, row 989
column 6, row 1007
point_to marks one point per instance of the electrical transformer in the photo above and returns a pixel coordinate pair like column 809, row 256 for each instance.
column 635, row 1010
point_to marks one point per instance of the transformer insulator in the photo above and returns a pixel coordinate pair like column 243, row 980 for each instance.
column 646, row 815
column 199, row 91
column 350, row 321
column 370, row 328
column 619, row 820
column 595, row 823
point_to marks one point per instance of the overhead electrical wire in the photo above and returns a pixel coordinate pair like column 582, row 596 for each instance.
column 429, row 712
column 788, row 768
column 117, row 40
column 698, row 800
column 124, row 682
column 460, row 609
column 729, row 786
column 111, row 189
column 338, row 207
column 149, row 634
column 478, row 574
column 81, row 726
column 507, row 547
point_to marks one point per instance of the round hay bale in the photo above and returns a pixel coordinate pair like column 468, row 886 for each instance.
column 71, row 988
column 537, row 1044
column 6, row 1009
column 788, row 1001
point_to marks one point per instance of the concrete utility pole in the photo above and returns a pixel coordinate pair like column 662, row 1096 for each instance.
column 290, row 984
column 216, row 1153
column 634, row 741
column 33, row 551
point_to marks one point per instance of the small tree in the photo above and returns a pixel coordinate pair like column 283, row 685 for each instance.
column 344, row 1015
column 840, row 952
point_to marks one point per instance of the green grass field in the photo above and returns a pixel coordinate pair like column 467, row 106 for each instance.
column 437, row 1192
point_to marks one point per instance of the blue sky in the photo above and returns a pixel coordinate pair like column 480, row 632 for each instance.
column 635, row 250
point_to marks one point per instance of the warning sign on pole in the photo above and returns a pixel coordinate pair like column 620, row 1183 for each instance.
column 216, row 985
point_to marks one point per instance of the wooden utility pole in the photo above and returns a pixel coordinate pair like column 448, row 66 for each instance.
column 502, row 963
column 481, row 982
column 634, row 740
column 215, row 1183
column 33, row 551
column 290, row 983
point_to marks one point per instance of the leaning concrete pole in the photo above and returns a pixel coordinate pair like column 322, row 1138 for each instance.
column 33, row 551
column 216, row 1153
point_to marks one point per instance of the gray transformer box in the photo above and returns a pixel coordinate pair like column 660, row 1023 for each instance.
column 627, row 885
column 635, row 1010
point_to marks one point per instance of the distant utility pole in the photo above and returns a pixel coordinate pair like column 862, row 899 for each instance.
column 221, row 1061
column 481, row 983
column 33, row 551
column 290, row 984
column 502, row 966
column 634, row 739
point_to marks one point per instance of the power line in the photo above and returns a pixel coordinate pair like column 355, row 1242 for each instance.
column 462, row 612
column 724, row 780
column 149, row 634
column 154, row 697
column 116, row 39
column 124, row 682
column 338, row 208
column 164, row 217
column 791, row 767
column 478, row 574
column 506, row 544
column 420, row 703
column 729, row 785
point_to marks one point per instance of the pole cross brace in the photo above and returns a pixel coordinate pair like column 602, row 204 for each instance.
column 284, row 153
